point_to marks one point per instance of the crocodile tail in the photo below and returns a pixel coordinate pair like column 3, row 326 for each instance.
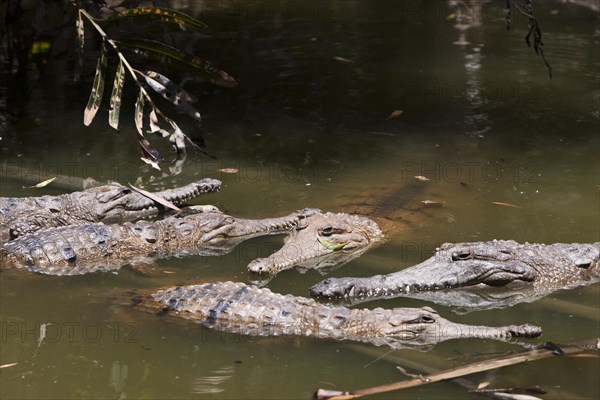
column 137, row 298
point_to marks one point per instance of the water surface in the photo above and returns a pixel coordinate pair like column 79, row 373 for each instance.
column 308, row 126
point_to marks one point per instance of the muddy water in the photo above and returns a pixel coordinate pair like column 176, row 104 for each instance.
column 308, row 126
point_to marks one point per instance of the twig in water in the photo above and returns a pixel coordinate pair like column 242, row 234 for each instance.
column 529, row 355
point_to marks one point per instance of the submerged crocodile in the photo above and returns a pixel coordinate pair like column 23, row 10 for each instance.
column 520, row 272
column 107, row 203
column 249, row 310
column 81, row 249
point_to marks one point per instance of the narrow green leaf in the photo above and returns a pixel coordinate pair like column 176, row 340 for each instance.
column 180, row 93
column 204, row 68
column 151, row 163
column 41, row 184
column 154, row 125
column 80, row 43
column 147, row 149
column 97, row 88
column 164, row 14
column 115, row 97
column 177, row 138
column 139, row 113
column 172, row 92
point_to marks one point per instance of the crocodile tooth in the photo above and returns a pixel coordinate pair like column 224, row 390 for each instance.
column 407, row 289
column 351, row 293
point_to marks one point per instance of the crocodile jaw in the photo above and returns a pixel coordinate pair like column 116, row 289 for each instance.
column 117, row 203
column 424, row 278
column 414, row 327
column 247, row 228
column 427, row 327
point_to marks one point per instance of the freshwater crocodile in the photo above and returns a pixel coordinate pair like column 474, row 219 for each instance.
column 81, row 249
column 517, row 273
column 107, row 203
column 248, row 310
column 329, row 240
column 324, row 240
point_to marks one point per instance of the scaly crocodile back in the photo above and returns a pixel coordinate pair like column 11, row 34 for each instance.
column 21, row 216
column 75, row 250
column 248, row 310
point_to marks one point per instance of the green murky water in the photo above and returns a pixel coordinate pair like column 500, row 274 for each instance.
column 307, row 126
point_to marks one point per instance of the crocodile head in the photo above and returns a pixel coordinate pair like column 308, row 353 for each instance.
column 402, row 327
column 241, row 229
column 322, row 239
column 496, row 263
column 502, row 262
column 115, row 202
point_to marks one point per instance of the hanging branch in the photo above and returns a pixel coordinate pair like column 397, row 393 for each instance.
column 533, row 25
column 143, row 97
column 159, row 83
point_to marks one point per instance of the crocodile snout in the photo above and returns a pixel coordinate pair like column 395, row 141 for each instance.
column 259, row 266
column 524, row 331
column 331, row 288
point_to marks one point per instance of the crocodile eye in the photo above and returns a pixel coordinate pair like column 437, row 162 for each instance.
column 584, row 265
column 427, row 319
column 329, row 230
column 123, row 192
column 461, row 255
column 120, row 193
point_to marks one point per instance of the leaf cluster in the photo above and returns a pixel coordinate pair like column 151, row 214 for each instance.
column 146, row 111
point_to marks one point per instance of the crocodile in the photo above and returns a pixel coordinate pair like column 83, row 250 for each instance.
column 324, row 240
column 327, row 241
column 238, row 308
column 479, row 275
column 91, row 247
column 107, row 203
